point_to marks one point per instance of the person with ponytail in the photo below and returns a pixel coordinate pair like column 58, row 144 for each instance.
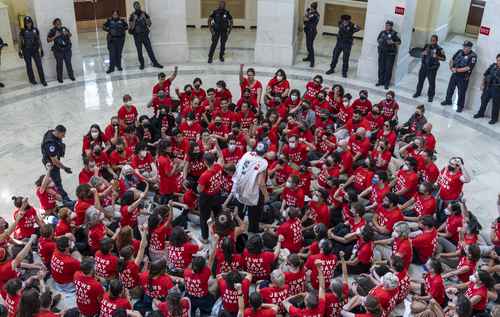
column 160, row 227
column 175, row 305
column 129, row 268
column 257, row 307
column 225, row 257
column 227, row 289
column 114, row 299
column 180, row 248
column 295, row 276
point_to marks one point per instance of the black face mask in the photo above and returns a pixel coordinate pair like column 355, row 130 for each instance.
column 359, row 137
column 386, row 205
column 196, row 155
column 236, row 132
column 218, row 124
column 362, row 97
column 97, row 152
column 119, row 150
column 451, row 168
column 375, row 113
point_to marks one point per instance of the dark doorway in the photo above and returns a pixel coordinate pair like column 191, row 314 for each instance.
column 475, row 17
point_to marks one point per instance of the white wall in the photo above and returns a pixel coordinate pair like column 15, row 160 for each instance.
column 433, row 17
column 460, row 14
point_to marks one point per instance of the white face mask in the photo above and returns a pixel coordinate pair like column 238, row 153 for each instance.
column 289, row 184
column 219, row 89
column 315, row 198
column 292, row 145
column 231, row 147
column 94, row 135
column 473, row 278
column 128, row 103
column 405, row 167
column 346, row 104
column 279, row 78
column 143, row 153
column 395, row 234
column 447, row 212
column 294, row 98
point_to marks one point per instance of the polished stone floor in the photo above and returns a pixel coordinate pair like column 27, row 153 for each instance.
column 27, row 112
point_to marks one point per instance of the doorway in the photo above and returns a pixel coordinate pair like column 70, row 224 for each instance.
column 475, row 17
column 91, row 14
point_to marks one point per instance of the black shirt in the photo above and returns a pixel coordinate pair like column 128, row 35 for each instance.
column 346, row 32
column 460, row 60
column 492, row 76
column 312, row 22
column 222, row 19
column 61, row 42
column 115, row 28
column 384, row 46
column 141, row 22
column 31, row 38
column 429, row 60
column 52, row 147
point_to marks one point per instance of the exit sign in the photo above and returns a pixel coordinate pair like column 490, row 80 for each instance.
column 484, row 30
column 399, row 10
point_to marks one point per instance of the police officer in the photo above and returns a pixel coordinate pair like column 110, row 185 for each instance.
column 432, row 55
column 220, row 23
column 345, row 38
column 53, row 149
column 491, row 90
column 311, row 20
column 61, row 37
column 388, row 41
column 461, row 66
column 30, row 47
column 2, row 45
column 116, row 27
column 140, row 22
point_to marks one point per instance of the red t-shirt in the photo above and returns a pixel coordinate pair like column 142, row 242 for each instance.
column 230, row 296
column 387, row 218
column 320, row 213
column 181, row 257
column 167, row 183
column 222, row 266
column 63, row 267
column 158, row 237
column 361, row 147
column 26, row 226
column 46, row 199
column 6, row 273
column 388, row 108
column 406, row 180
column 211, row 180
column 275, row 295
column 81, row 207
column 85, row 176
column 261, row 312
column 434, row 286
column 362, row 179
column 46, row 248
column 197, row 283
column 365, row 251
column 129, row 116
column 463, row 263
column 253, row 89
column 329, row 262
column 109, row 306
column 12, row 302
column 129, row 276
column 129, row 217
column 88, row 293
column 291, row 230
column 96, row 234
column 453, row 222
column 190, row 132
column 334, row 304
column 364, row 105
column 185, row 304
column 473, row 290
column 232, row 157
column 450, row 185
column 46, row 313
column 312, row 90
column 159, row 286
column 165, row 86
column 318, row 311
column 296, row 282
column 296, row 155
column 403, row 248
column 293, row 197
column 62, row 228
column 384, row 297
column 424, row 206
column 278, row 87
column 430, row 173
column 106, row 265
column 259, row 265
column 425, row 244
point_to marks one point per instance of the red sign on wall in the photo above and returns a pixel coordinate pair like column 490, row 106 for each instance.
column 400, row 10
column 484, row 30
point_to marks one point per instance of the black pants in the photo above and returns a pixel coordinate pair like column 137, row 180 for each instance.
column 30, row 54
column 345, row 49
column 461, row 82
column 385, row 67
column 207, row 205
column 204, row 304
column 216, row 35
column 115, row 47
column 310, row 37
column 55, row 174
column 63, row 55
column 254, row 214
column 489, row 94
column 140, row 40
column 430, row 74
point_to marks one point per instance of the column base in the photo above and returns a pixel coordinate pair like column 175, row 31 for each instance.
column 171, row 52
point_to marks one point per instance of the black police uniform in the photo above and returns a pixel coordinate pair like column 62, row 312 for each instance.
column 116, row 39
column 387, row 56
column 311, row 30
column 2, row 45
column 62, row 52
column 429, row 68
column 460, row 80
column 31, row 48
column 221, row 26
column 141, row 36
column 345, row 38
column 491, row 91
column 54, row 147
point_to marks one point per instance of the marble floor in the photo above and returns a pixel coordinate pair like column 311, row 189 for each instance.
column 27, row 112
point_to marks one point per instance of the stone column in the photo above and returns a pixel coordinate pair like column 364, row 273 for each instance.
column 44, row 12
column 5, row 31
column 168, row 32
column 378, row 12
column 277, row 27
column 487, row 48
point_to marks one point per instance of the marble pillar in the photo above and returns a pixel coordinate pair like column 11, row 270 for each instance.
column 43, row 13
column 5, row 31
column 487, row 48
column 378, row 12
column 277, row 28
column 168, row 32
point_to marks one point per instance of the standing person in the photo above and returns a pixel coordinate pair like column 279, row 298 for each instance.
column 461, row 66
column 249, row 185
column 345, row 38
column 388, row 41
column 220, row 24
column 53, row 149
column 140, row 22
column 491, row 90
column 116, row 27
column 30, row 47
column 2, row 45
column 61, row 37
column 311, row 20
column 432, row 55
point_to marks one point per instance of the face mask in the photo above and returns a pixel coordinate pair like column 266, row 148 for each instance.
column 451, row 168
column 94, row 135
column 190, row 123
column 362, row 97
column 386, row 205
column 218, row 124
column 417, row 114
column 197, row 86
column 196, row 155
column 359, row 137
column 375, row 113
column 447, row 212
column 346, row 103
column 231, row 147
column 315, row 198
column 161, row 96
column 375, row 181
column 289, row 184
column 119, row 150
column 405, row 167
column 321, row 98
column 292, row 145
column 143, row 153
column 219, row 89
column 91, row 166
column 395, row 235
column 473, row 278
column 279, row 78
column 294, row 98
column 388, row 98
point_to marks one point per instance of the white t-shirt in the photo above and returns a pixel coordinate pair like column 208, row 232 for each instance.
column 245, row 185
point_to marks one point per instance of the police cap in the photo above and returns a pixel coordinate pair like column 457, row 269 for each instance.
column 468, row 44
column 346, row 17
column 389, row 22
